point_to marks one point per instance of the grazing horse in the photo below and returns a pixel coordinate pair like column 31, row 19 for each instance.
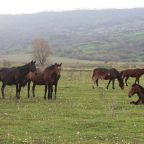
column 139, row 90
column 48, row 77
column 107, row 74
column 135, row 73
column 16, row 76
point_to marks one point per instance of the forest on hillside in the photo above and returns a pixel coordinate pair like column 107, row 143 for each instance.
column 107, row 35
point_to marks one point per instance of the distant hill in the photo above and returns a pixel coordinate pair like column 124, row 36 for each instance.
column 84, row 34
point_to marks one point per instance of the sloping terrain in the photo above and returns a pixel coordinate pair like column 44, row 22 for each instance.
column 116, row 35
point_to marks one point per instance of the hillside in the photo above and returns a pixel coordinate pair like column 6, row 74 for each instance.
column 85, row 34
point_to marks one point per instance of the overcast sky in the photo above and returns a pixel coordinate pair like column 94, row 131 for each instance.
column 33, row 6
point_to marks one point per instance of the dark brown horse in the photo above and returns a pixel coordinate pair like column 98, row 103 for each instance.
column 107, row 74
column 135, row 73
column 16, row 76
column 139, row 90
column 49, row 77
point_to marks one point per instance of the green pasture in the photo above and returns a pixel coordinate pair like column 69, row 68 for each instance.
column 80, row 115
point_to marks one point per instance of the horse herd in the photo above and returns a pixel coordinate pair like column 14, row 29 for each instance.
column 122, row 77
column 49, row 77
column 22, row 75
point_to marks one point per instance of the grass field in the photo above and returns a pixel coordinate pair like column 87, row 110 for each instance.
column 79, row 115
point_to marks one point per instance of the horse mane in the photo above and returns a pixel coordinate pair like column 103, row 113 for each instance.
column 23, row 67
column 116, row 72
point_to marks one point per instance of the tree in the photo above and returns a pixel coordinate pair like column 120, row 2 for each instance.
column 41, row 50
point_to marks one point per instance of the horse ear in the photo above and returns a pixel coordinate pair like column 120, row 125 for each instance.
column 33, row 62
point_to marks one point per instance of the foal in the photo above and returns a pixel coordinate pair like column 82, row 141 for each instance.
column 107, row 74
column 16, row 76
column 139, row 90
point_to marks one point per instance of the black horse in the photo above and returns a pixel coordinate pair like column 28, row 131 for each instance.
column 16, row 76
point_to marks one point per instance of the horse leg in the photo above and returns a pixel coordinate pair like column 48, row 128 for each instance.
column 137, row 80
column 46, row 87
column 2, row 90
column 113, row 84
column 29, row 88
column 137, row 102
column 96, row 82
column 49, row 92
column 56, row 89
column 126, row 80
column 33, row 89
column 132, row 102
column 108, row 83
column 17, row 91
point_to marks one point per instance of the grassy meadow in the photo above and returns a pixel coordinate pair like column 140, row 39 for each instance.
column 79, row 115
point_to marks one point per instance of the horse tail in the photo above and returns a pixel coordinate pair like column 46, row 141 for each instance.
column 93, row 79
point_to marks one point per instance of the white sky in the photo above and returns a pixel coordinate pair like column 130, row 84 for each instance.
column 33, row 6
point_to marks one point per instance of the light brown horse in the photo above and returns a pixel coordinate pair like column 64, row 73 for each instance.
column 134, row 73
column 107, row 74
column 139, row 90
column 48, row 77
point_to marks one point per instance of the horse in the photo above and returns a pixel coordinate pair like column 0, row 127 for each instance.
column 48, row 77
column 135, row 73
column 16, row 76
column 139, row 90
column 107, row 74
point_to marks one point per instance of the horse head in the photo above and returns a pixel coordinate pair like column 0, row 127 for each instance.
column 58, row 68
column 32, row 66
column 134, row 89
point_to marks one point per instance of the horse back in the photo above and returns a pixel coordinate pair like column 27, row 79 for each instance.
column 36, row 78
column 100, row 73
column 132, row 72
column 7, row 74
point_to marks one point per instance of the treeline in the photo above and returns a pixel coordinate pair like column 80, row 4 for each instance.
column 108, row 35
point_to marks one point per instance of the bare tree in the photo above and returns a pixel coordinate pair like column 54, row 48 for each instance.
column 41, row 50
